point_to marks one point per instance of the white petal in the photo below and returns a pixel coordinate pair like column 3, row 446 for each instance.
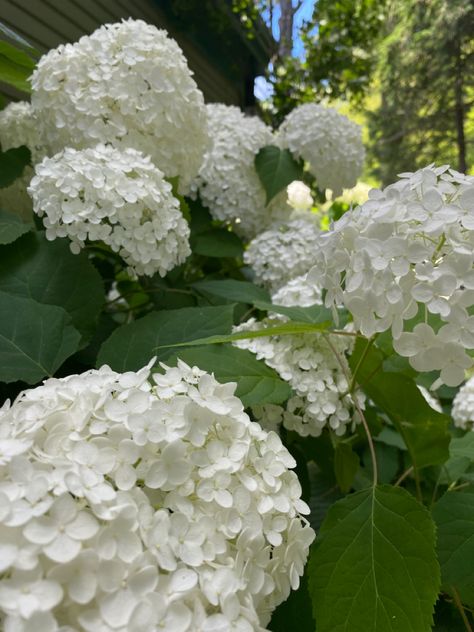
column 62, row 549
column 117, row 608
column 83, row 527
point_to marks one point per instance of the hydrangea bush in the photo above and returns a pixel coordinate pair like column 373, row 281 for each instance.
column 204, row 386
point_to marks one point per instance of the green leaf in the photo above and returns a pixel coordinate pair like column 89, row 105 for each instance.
column 131, row 346
column 13, row 163
column 13, row 35
column 373, row 567
column 256, row 382
column 49, row 273
column 454, row 517
column 217, row 242
column 461, row 458
column 276, row 168
column 280, row 329
column 16, row 65
column 11, row 227
column 237, row 291
column 346, row 464
column 35, row 339
column 424, row 430
column 297, row 608
column 313, row 314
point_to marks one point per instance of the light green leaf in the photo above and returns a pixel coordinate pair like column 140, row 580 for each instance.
column 454, row 517
column 276, row 168
column 217, row 242
column 256, row 382
column 11, row 227
column 424, row 430
column 346, row 464
column 13, row 163
column 373, row 567
column 18, row 39
column 49, row 273
column 35, row 339
column 237, row 291
column 131, row 346
column 461, row 458
column 280, row 329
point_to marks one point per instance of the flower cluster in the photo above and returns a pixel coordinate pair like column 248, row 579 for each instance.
column 129, row 85
column 115, row 196
column 133, row 504
column 310, row 364
column 18, row 126
column 328, row 141
column 299, row 196
column 228, row 183
column 463, row 406
column 408, row 253
column 284, row 251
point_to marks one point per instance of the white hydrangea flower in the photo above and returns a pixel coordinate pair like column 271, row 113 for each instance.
column 328, row 141
column 284, row 251
column 118, row 197
column 408, row 250
column 228, row 183
column 463, row 406
column 308, row 363
column 140, row 504
column 299, row 196
column 127, row 84
column 18, row 126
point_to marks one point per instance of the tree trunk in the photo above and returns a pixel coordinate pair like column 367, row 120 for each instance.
column 460, row 113
column 286, row 28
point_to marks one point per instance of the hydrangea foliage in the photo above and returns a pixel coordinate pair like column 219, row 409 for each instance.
column 127, row 84
column 408, row 251
column 137, row 504
column 118, row 197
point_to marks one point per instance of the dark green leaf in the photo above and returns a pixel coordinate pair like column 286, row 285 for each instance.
column 35, row 339
column 256, row 382
column 454, row 517
column 131, row 346
column 237, row 291
column 424, row 430
column 276, row 168
column 346, row 464
column 48, row 272
column 374, row 567
column 461, row 458
column 313, row 314
column 11, row 227
column 297, row 608
column 13, row 162
column 217, row 242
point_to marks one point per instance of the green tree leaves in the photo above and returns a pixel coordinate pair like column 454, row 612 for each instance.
column 276, row 168
column 16, row 66
column 454, row 517
column 373, row 567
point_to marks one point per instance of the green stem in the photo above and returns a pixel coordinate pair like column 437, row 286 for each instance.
column 459, row 606
column 370, row 441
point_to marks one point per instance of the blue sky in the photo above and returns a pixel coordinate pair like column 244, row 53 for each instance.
column 262, row 88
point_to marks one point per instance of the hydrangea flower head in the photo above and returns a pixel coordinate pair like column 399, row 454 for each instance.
column 127, row 84
column 18, row 126
column 463, row 406
column 307, row 361
column 409, row 252
column 328, row 141
column 228, row 183
column 284, row 251
column 139, row 504
column 299, row 196
column 118, row 197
